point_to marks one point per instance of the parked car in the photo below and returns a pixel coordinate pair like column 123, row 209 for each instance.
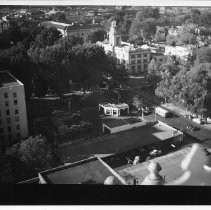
column 193, row 128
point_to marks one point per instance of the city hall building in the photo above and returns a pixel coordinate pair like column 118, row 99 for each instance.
column 135, row 58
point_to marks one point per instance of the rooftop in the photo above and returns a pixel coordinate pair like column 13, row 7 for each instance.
column 89, row 171
column 119, row 106
column 118, row 142
column 170, row 163
column 115, row 122
column 6, row 79
column 65, row 26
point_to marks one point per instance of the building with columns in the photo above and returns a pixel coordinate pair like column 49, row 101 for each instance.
column 135, row 58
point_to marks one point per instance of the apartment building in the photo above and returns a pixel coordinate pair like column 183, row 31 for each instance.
column 135, row 58
column 13, row 118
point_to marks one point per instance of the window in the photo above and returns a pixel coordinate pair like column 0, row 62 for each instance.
column 145, row 60
column 9, row 128
column 15, row 102
column 139, row 55
column 133, row 68
column 108, row 111
column 7, row 112
column 161, row 59
column 132, row 62
column 138, row 61
column 10, row 137
column 5, row 95
column 16, row 111
column 132, row 56
column 8, row 120
column 114, row 112
column 6, row 103
column 15, row 95
column 139, row 67
column 17, row 118
column 18, row 127
column 145, row 55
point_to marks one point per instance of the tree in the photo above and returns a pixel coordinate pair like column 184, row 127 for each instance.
column 137, row 102
column 98, row 35
column 34, row 154
column 47, row 37
column 147, row 12
column 86, row 64
column 68, row 42
column 145, row 28
column 186, row 35
column 154, row 73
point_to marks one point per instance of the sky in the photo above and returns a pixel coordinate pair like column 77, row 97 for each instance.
column 110, row 2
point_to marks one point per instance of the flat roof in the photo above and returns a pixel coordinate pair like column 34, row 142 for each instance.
column 116, row 122
column 113, row 123
column 117, row 142
column 170, row 163
column 89, row 171
column 6, row 79
column 119, row 106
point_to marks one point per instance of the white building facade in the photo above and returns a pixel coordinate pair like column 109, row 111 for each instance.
column 135, row 58
column 13, row 117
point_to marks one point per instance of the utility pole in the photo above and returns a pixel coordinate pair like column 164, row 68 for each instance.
column 69, row 104
column 174, row 118
column 142, row 112
column 55, row 135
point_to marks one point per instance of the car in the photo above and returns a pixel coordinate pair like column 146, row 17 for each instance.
column 193, row 128
column 189, row 116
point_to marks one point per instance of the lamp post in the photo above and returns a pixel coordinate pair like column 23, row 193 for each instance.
column 55, row 134
column 142, row 112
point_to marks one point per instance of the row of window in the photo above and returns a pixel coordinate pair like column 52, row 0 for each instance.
column 133, row 68
column 138, row 55
column 160, row 60
column 139, row 61
column 8, row 120
column 9, row 128
column 6, row 95
column 15, row 102
column 8, row 112
column 9, row 137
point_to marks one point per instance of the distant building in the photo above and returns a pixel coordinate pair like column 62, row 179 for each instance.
column 114, row 109
column 135, row 58
column 160, row 35
column 159, row 58
column 114, row 125
column 173, row 31
column 181, row 52
column 162, row 10
column 13, row 119
column 81, row 30
column 4, row 24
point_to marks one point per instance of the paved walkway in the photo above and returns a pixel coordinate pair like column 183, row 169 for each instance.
column 177, row 109
column 183, row 112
